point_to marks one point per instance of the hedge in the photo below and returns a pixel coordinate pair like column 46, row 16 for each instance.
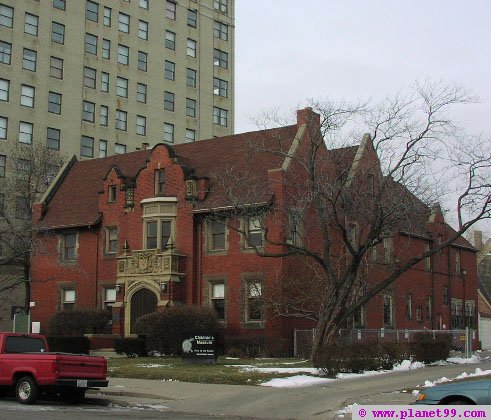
column 78, row 322
column 164, row 331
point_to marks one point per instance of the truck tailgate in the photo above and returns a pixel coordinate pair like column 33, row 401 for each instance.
column 75, row 366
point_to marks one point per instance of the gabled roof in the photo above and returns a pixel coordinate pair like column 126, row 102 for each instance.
column 76, row 200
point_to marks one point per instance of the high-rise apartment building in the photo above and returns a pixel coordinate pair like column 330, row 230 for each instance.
column 98, row 77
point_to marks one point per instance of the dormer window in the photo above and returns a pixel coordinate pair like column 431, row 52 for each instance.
column 160, row 182
column 111, row 194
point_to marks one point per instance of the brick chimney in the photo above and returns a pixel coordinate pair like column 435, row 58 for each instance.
column 309, row 117
column 478, row 239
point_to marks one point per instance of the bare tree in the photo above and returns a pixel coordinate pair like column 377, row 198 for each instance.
column 28, row 172
column 346, row 199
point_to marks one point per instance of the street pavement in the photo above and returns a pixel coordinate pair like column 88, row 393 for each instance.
column 312, row 402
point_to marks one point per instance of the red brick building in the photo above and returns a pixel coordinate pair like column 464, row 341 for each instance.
column 134, row 233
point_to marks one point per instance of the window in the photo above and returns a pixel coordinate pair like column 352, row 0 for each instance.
column 191, row 48
column 124, row 23
column 59, row 4
column 388, row 250
column 69, row 249
column 27, row 96
column 111, row 194
column 144, row 4
column 122, row 87
column 445, row 295
column 169, row 132
column 220, row 116
column 4, row 90
column 87, row 146
column 152, row 235
column 190, row 135
column 143, row 30
column 90, row 44
column 57, row 33
column 107, row 16
column 191, row 78
column 67, row 299
column 104, row 115
column 169, row 101
column 409, row 306
column 53, row 138
column 254, row 232
column 220, row 30
column 119, row 149
column 427, row 259
column 31, row 24
column 170, row 40
column 220, row 87
column 456, row 319
column 170, row 70
column 121, row 120
column 25, row 132
column 56, row 67
column 294, row 226
column 192, row 18
column 470, row 310
column 141, row 93
column 106, row 49
column 429, row 305
column 216, row 235
column 54, row 103
column 124, row 54
column 111, row 240
column 254, row 311
column 160, row 182
column 165, row 234
column 141, row 125
column 142, row 61
column 218, row 299
column 419, row 313
column 6, row 16
column 190, row 108
column 3, row 129
column 102, row 148
column 109, row 297
column 24, row 170
column 104, row 82
column 88, row 111
column 170, row 9
column 457, row 262
column 220, row 59
column 51, row 172
column 388, row 311
column 92, row 11
column 3, row 160
column 5, row 52
column 221, row 6
column 29, row 58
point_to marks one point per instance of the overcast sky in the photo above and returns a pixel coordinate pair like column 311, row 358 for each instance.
column 288, row 51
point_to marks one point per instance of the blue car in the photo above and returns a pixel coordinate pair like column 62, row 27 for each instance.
column 465, row 393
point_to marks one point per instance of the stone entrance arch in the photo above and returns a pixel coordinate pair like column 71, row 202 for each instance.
column 143, row 302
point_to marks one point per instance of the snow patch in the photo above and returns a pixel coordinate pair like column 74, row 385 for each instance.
column 296, row 381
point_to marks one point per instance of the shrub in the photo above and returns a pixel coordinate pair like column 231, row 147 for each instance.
column 130, row 346
column 164, row 331
column 78, row 322
column 70, row 344
column 358, row 357
column 428, row 349
column 244, row 346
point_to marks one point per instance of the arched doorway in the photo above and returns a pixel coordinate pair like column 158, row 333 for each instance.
column 143, row 302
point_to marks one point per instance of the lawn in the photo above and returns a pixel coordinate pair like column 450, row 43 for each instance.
column 226, row 371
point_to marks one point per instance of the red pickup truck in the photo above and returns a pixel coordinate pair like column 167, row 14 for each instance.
column 27, row 366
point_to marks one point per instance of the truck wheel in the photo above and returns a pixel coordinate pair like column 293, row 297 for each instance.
column 74, row 397
column 26, row 390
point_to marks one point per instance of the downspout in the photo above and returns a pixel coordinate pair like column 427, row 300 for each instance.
column 433, row 292
column 96, row 267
